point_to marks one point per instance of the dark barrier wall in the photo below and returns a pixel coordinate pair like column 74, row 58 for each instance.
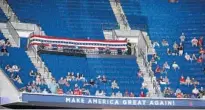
column 106, row 102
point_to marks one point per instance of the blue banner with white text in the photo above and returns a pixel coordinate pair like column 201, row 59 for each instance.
column 119, row 102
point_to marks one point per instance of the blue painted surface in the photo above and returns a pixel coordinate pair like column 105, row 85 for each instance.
column 168, row 21
column 123, row 70
column 3, row 17
column 69, row 18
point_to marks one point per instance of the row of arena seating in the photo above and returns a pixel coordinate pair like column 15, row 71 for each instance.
column 17, row 56
column 72, row 18
column 167, row 21
column 123, row 70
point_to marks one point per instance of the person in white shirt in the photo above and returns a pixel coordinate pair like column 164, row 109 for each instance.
column 195, row 91
column 175, row 66
column 15, row 68
column 101, row 93
column 114, row 85
column 194, row 42
column 45, row 91
column 182, row 37
column 113, row 94
column 166, row 65
column 97, row 93
column 2, row 42
column 178, row 91
column 188, row 80
column 118, row 94
column 165, row 43
column 194, row 57
column 155, row 43
column 187, row 57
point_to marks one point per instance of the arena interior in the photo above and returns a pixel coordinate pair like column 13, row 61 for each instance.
column 102, row 54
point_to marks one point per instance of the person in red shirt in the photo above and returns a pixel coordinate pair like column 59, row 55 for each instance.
column 157, row 70
column 182, row 80
column 200, row 60
column 60, row 91
column 142, row 94
column 200, row 41
column 76, row 91
column 179, row 95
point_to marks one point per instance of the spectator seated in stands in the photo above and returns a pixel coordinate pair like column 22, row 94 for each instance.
column 45, row 91
column 15, row 68
column 175, row 47
column 177, row 91
column 166, row 65
column 158, row 69
column 201, row 41
column 132, row 94
column 179, row 94
column 194, row 82
column 165, row 43
column 2, row 42
column 129, row 48
column 38, row 80
column 182, row 80
column 104, row 79
column 77, row 90
column 175, row 66
column 9, row 68
column 92, row 82
column 142, row 94
column 194, row 42
column 164, row 81
column 187, row 57
column 4, row 51
column 119, row 94
column 69, row 77
column 61, row 81
column 33, row 74
column 69, row 92
column 18, row 79
column 168, row 92
column 59, row 91
column 182, row 37
column 155, row 43
column 169, row 51
column 53, row 86
column 114, row 85
column 126, row 94
column 113, row 94
column 188, row 81
column 201, row 51
column 100, row 93
column 201, row 92
column 85, row 91
column 194, row 57
column 181, row 50
column 200, row 60
column 195, row 91
column 140, row 74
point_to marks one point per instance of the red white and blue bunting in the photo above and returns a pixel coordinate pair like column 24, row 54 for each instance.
column 85, row 43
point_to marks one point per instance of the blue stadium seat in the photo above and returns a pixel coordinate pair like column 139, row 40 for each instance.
column 167, row 21
column 71, row 18
column 123, row 70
